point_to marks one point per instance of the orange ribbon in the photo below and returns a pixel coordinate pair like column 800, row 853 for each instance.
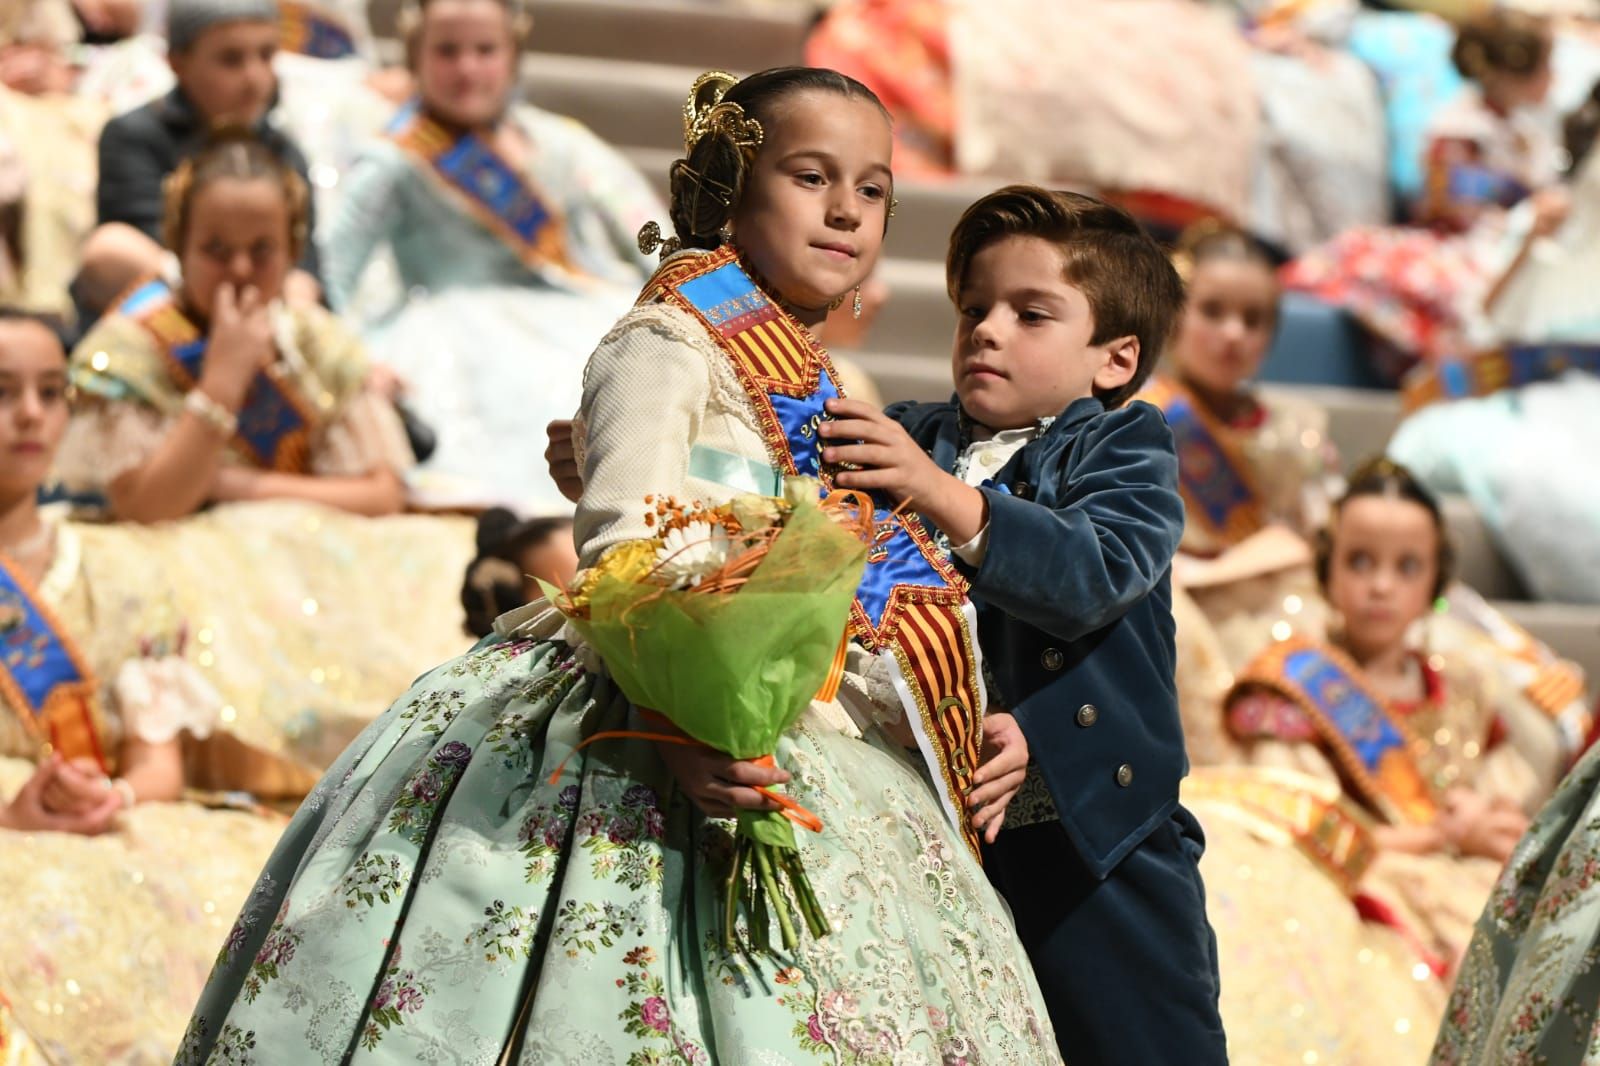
column 789, row 808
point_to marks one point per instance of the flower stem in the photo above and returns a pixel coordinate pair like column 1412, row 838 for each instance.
column 764, row 864
column 730, row 902
column 816, row 920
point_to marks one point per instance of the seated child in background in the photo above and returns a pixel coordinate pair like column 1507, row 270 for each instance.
column 211, row 388
column 512, row 554
column 1062, row 503
column 221, row 52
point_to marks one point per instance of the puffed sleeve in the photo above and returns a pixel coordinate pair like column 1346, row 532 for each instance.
column 644, row 397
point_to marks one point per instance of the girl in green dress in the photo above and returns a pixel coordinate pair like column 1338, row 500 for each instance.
column 440, row 898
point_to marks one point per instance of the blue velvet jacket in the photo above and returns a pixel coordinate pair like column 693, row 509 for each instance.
column 1074, row 598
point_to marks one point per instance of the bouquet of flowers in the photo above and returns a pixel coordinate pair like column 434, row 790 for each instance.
column 727, row 623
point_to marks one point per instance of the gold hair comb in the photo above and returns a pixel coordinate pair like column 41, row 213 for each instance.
column 706, row 113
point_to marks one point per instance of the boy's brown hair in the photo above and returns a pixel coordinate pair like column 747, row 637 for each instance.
column 1130, row 283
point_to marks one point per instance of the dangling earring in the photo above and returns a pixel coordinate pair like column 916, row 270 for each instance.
column 855, row 307
column 725, row 234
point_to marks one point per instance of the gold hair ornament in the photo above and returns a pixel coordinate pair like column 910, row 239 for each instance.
column 706, row 113
column 650, row 239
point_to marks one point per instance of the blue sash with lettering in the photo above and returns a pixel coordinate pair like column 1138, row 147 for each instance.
column 1213, row 475
column 274, row 423
column 1372, row 748
column 308, row 30
column 492, row 190
column 911, row 605
column 42, row 675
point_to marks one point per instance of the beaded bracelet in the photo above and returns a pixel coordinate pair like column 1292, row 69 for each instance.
column 211, row 412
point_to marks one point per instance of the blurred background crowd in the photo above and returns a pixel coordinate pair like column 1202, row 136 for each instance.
column 395, row 232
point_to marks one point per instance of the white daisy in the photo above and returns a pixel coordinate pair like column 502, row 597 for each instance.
column 688, row 555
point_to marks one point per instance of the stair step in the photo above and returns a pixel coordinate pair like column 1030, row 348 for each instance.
column 1573, row 630
column 693, row 34
column 626, row 104
column 1360, row 421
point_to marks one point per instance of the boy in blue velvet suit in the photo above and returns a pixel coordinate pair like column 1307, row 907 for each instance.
column 1060, row 501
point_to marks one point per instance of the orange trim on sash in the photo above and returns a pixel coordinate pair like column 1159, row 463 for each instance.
column 68, row 720
column 1245, row 518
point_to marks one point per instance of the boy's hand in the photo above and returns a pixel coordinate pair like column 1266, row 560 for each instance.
column 1001, row 770
column 890, row 461
column 27, row 810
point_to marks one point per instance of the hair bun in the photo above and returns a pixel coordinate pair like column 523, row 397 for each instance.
column 495, row 526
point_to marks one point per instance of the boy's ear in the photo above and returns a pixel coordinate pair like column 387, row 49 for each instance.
column 1120, row 363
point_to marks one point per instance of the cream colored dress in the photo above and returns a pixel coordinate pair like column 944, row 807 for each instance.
column 133, row 401
column 1461, row 740
column 1226, row 614
column 105, row 941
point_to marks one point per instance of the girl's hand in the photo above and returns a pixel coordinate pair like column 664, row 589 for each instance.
column 1551, row 207
column 562, row 459
column 240, row 344
column 720, row 785
column 1477, row 826
column 385, row 381
column 234, row 483
column 74, row 788
column 27, row 813
column 301, row 290
column 1002, row 768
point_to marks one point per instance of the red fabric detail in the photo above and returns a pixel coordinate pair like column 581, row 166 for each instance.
column 1259, row 714
column 1373, row 909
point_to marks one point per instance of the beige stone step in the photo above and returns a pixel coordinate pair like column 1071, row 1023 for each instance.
column 1360, row 421
column 1572, row 630
column 628, row 104
column 703, row 35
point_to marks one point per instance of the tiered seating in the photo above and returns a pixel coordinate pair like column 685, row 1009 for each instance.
column 622, row 66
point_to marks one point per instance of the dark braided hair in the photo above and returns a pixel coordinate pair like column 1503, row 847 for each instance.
column 707, row 183
column 1504, row 41
column 493, row 582
column 1581, row 129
